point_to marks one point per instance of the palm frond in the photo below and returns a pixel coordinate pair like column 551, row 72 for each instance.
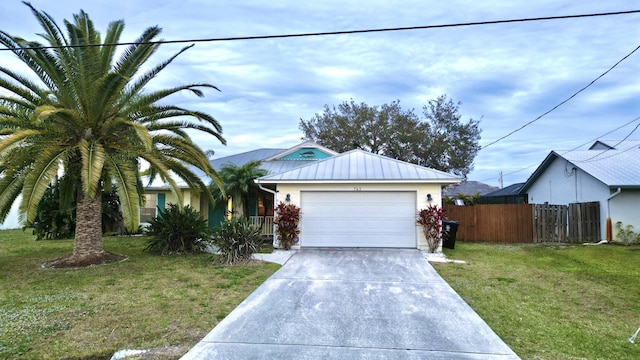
column 158, row 95
column 137, row 54
column 16, row 138
column 143, row 80
column 125, row 176
column 10, row 188
column 36, row 182
column 24, row 88
column 114, row 31
column 93, row 158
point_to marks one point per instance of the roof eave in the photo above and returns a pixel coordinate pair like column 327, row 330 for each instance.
column 361, row 181
column 539, row 171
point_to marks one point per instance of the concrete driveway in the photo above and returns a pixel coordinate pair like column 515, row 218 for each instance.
column 353, row 304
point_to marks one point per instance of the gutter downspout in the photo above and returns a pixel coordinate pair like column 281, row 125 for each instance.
column 609, row 234
column 274, row 193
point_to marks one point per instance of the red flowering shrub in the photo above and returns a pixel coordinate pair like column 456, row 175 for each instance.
column 431, row 221
column 287, row 220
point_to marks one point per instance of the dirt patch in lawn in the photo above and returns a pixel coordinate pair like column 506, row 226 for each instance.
column 80, row 261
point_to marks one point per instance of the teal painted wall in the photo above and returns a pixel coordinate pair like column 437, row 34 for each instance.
column 162, row 199
column 306, row 154
column 253, row 206
column 216, row 215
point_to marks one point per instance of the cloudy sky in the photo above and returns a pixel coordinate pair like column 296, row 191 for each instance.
column 505, row 74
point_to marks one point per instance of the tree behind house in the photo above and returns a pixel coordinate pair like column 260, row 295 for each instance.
column 439, row 139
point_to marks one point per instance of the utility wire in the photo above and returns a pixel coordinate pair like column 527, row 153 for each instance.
column 610, row 156
column 564, row 101
column 603, row 135
column 604, row 151
column 577, row 147
column 331, row 33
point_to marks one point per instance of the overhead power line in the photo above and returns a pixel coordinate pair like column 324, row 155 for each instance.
column 564, row 101
column 345, row 32
column 614, row 146
column 606, row 134
column 577, row 147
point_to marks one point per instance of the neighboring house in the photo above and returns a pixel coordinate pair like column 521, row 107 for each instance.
column 260, row 210
column 609, row 173
column 509, row 195
column 469, row 188
column 354, row 199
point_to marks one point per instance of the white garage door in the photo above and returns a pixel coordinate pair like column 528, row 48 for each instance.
column 358, row 219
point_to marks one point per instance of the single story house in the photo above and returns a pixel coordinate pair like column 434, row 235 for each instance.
column 353, row 199
column 469, row 188
column 508, row 195
column 260, row 211
column 608, row 173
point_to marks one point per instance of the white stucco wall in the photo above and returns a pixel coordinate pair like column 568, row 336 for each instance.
column 12, row 220
column 625, row 207
column 561, row 184
column 294, row 190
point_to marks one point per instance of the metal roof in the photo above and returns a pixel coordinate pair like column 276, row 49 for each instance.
column 614, row 144
column 360, row 166
column 513, row 189
column 300, row 146
column 619, row 167
column 243, row 158
column 265, row 156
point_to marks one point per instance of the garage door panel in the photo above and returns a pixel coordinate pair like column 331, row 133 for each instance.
column 358, row 219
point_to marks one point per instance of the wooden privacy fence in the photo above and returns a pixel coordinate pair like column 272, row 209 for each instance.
column 549, row 223
column 525, row 223
column 504, row 223
column 584, row 222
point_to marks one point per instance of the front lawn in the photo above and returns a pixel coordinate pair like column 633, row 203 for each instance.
column 553, row 301
column 147, row 301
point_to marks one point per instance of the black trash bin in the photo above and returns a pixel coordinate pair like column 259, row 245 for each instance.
column 449, row 230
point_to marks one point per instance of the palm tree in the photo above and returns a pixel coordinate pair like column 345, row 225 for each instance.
column 239, row 183
column 92, row 116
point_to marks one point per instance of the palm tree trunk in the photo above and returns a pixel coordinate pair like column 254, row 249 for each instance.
column 88, row 238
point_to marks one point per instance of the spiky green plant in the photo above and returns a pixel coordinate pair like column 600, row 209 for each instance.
column 91, row 114
column 237, row 240
column 180, row 230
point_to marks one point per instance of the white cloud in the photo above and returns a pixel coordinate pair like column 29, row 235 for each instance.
column 508, row 74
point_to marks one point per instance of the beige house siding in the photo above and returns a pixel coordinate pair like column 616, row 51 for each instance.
column 191, row 198
column 294, row 190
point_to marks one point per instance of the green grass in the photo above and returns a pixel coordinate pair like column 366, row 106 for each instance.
column 147, row 301
column 550, row 301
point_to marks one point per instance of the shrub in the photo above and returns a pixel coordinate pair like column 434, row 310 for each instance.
column 467, row 198
column 52, row 222
column 237, row 240
column 431, row 221
column 56, row 215
column 626, row 235
column 178, row 230
column 287, row 219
